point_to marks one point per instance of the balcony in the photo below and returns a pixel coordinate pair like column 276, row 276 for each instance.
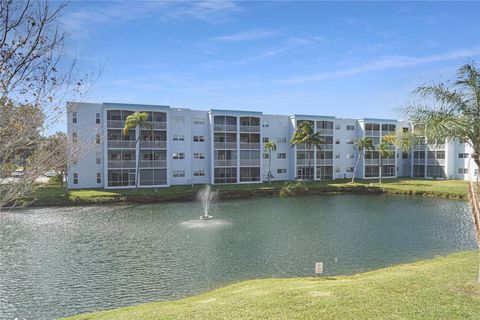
column 372, row 133
column 439, row 162
column 159, row 125
column 153, row 144
column 249, row 162
column 436, row 147
column 115, row 124
column 153, row 163
column 225, row 145
column 326, row 147
column 250, row 145
column 388, row 161
column 304, row 162
column 250, row 129
column 121, row 144
column 419, row 161
column 324, row 162
column 326, row 132
column 225, row 128
column 119, row 164
column 225, row 163
column 371, row 162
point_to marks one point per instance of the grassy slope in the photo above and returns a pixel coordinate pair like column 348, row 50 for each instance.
column 442, row 288
column 53, row 194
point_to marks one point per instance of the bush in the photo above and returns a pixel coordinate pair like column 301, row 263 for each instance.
column 56, row 179
column 292, row 189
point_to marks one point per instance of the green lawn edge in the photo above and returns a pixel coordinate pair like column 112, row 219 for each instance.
column 440, row 288
column 54, row 195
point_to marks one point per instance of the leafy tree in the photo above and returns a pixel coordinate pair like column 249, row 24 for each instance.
column 304, row 134
column 384, row 151
column 361, row 145
column 450, row 110
column 269, row 147
column 132, row 122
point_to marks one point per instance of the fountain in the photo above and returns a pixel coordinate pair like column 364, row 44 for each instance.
column 206, row 195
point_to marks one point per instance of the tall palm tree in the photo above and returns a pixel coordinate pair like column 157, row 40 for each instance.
column 384, row 151
column 361, row 145
column 132, row 122
column 454, row 112
column 304, row 134
column 269, row 147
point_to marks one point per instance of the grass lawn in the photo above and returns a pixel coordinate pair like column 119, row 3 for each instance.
column 55, row 195
column 441, row 288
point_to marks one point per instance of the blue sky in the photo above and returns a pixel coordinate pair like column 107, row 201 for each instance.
column 347, row 59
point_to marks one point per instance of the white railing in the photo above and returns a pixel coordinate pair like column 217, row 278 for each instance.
column 370, row 162
column 388, row 132
column 225, row 127
column 115, row 124
column 249, row 128
column 120, row 144
column 153, row 144
column 225, row 145
column 153, row 163
column 326, row 147
column 121, row 164
column 388, row 161
column 323, row 162
column 249, row 162
column 159, row 125
column 419, row 161
column 225, row 163
column 304, row 162
column 436, row 147
column 249, row 145
column 372, row 133
column 436, row 161
column 325, row 132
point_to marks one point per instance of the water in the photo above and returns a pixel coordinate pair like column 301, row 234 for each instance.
column 206, row 196
column 63, row 261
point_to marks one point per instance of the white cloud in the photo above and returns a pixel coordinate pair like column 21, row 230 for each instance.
column 245, row 36
column 383, row 63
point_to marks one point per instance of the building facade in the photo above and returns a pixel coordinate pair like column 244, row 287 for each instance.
column 183, row 146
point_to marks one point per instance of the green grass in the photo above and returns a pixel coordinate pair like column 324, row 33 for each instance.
column 53, row 194
column 441, row 288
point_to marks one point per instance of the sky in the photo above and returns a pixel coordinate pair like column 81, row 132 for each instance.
column 344, row 59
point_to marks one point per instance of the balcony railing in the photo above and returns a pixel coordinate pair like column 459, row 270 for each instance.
column 115, row 124
column 370, row 162
column 225, row 163
column 120, row 144
column 250, row 145
column 372, row 133
column 436, row 147
column 225, row 127
column 121, row 164
column 388, row 161
column 225, row 145
column 326, row 132
column 440, row 162
column 419, row 161
column 159, row 125
column 153, row 163
column 249, row 128
column 153, row 144
column 326, row 146
column 249, row 162
column 304, row 162
column 324, row 162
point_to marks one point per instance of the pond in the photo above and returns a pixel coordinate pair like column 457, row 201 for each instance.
column 63, row 261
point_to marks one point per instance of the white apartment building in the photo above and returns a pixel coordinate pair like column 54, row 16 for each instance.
column 186, row 146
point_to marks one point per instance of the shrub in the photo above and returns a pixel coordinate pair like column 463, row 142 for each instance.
column 293, row 188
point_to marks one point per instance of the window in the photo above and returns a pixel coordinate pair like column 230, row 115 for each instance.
column 199, row 173
column 266, row 156
column 337, row 169
column 337, row 156
column 198, row 121
column 178, row 155
column 99, row 177
column 178, row 137
column 97, row 138
column 349, row 170
column 405, row 130
column 198, row 139
column 279, row 171
column 74, row 117
column 97, row 118
column 282, row 140
column 463, row 155
column 350, row 156
column 349, row 141
column 404, row 155
column 281, row 156
column 265, row 139
column 75, row 178
column 462, row 170
column 198, row 156
column 74, row 137
column 337, row 127
column 178, row 173
column 265, row 124
column 337, row 141
column 97, row 158
column 350, row 127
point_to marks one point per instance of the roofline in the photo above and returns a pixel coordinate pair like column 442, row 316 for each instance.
column 224, row 111
column 311, row 116
column 132, row 105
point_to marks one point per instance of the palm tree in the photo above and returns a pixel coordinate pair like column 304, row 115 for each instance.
column 304, row 134
column 361, row 144
column 132, row 122
column 384, row 151
column 269, row 147
column 455, row 113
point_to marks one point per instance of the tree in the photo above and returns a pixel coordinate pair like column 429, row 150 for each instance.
column 361, row 144
column 452, row 111
column 304, row 134
column 132, row 122
column 56, row 146
column 384, row 151
column 36, row 78
column 269, row 147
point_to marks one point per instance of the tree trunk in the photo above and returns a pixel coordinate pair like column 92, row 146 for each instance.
column 380, row 167
column 269, row 166
column 137, row 158
column 309, row 160
column 356, row 165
